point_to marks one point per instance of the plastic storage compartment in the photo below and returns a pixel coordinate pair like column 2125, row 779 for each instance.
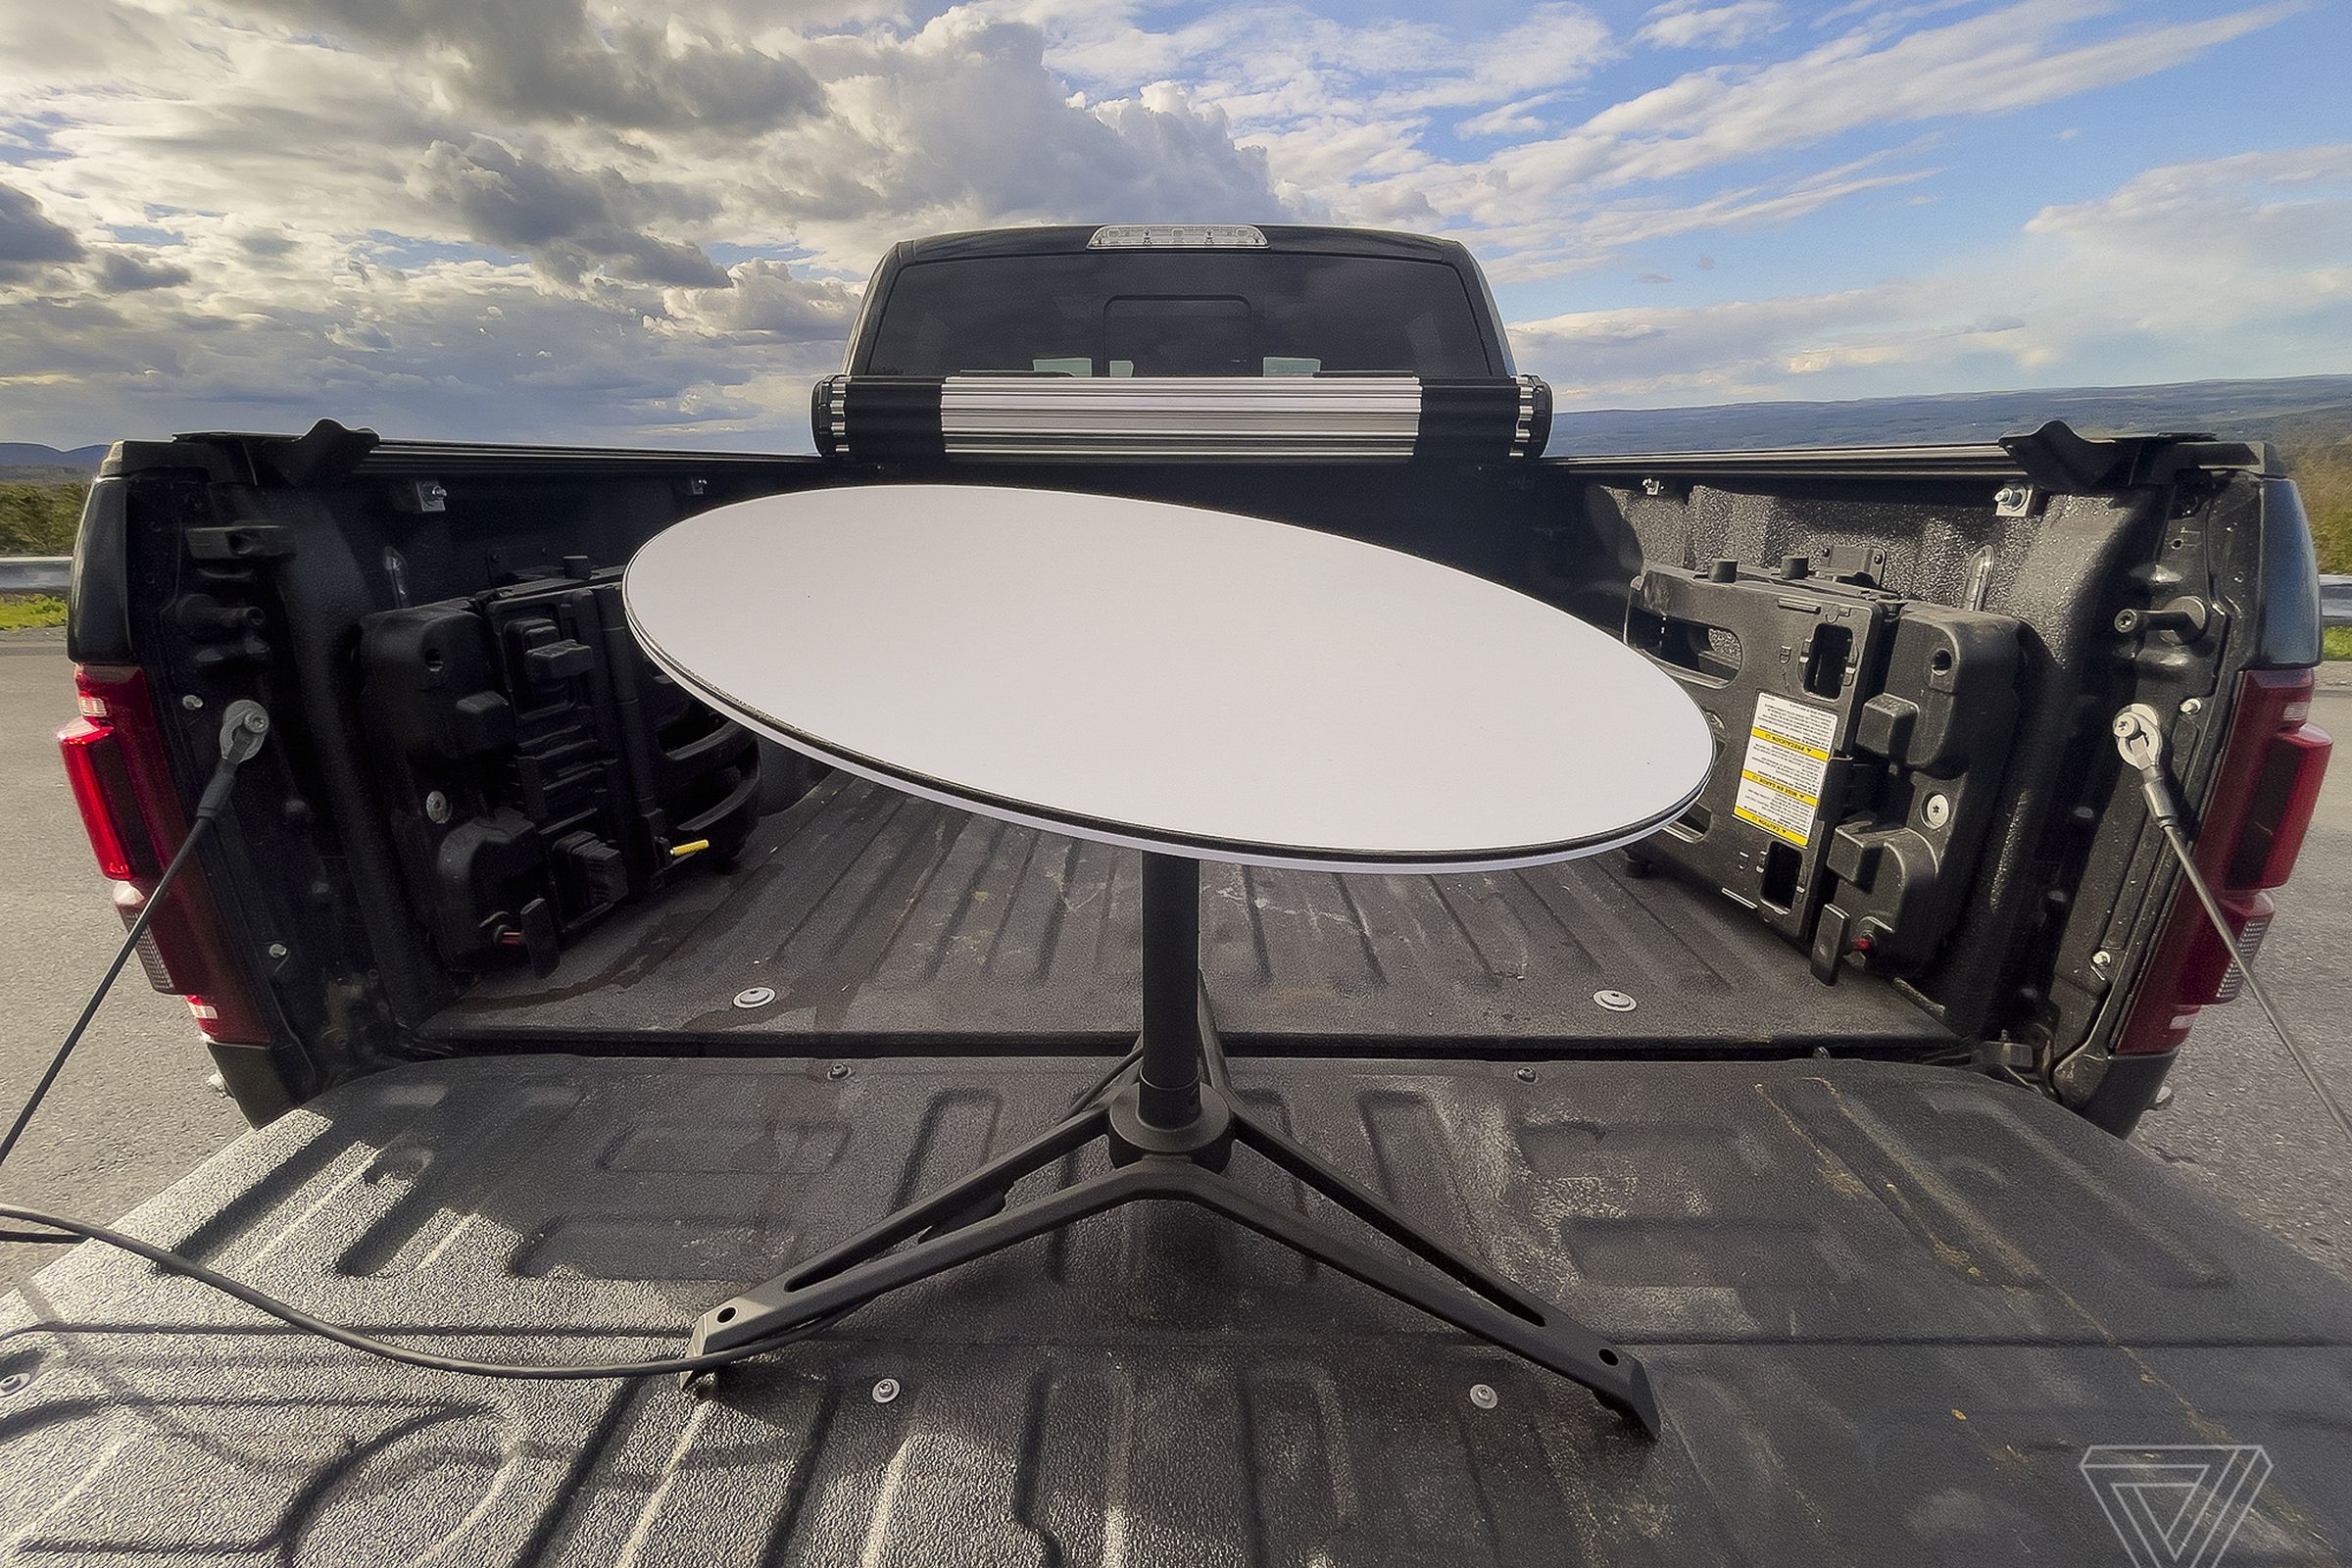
column 538, row 770
column 1861, row 737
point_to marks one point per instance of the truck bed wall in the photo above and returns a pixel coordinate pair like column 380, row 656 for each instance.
column 311, row 853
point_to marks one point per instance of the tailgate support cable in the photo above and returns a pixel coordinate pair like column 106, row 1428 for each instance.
column 243, row 728
column 2139, row 737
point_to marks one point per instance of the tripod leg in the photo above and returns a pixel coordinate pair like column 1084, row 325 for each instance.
column 952, row 1202
column 1553, row 1340
column 1324, row 1178
column 783, row 1303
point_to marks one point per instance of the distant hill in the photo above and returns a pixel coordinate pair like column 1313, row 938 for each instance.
column 30, row 454
column 2304, row 408
column 2261, row 411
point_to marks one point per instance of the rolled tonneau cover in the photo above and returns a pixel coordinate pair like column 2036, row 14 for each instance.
column 897, row 421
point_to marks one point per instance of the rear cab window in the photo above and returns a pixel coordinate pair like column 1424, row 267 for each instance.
column 1180, row 314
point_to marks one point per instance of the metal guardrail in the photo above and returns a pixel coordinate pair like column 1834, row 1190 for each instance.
column 2335, row 601
column 35, row 574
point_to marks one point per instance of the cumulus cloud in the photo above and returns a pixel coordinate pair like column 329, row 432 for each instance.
column 468, row 349
column 568, row 221
column 124, row 272
column 768, row 302
column 551, row 60
column 445, row 220
column 962, row 123
column 559, row 218
column 29, row 240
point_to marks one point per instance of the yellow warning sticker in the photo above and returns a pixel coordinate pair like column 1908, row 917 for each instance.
column 1787, row 760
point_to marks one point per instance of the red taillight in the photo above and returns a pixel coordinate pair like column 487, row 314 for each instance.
column 94, row 767
column 2247, row 841
column 121, row 780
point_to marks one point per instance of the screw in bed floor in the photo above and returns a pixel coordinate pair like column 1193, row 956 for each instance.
column 1482, row 1396
column 886, row 1390
column 756, row 997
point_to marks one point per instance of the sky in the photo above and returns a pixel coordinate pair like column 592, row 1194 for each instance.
column 570, row 220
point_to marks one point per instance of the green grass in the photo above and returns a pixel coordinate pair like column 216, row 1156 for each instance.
column 2339, row 642
column 40, row 519
column 2319, row 457
column 19, row 611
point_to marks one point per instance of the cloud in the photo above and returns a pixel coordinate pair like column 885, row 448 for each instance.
column 570, row 222
column 768, row 300
column 468, row 349
column 122, row 273
column 2007, row 59
column 1514, row 119
column 963, row 123
column 1526, row 206
column 450, row 220
column 2239, row 266
column 30, row 241
column 550, row 60
column 1692, row 25
column 557, row 219
column 1335, row 104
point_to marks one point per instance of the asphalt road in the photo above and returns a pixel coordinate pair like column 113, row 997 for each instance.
column 2242, row 1123
column 132, row 1111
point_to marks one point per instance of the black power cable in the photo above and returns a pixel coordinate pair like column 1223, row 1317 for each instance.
column 262, row 1301
column 242, row 731
column 2137, row 737
column 245, row 727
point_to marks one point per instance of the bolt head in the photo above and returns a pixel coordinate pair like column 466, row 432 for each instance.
column 1936, row 810
column 436, row 806
column 2101, row 958
column 886, row 1390
column 1526, row 1075
column 1482, row 1396
column 191, row 701
column 1615, row 1001
column 840, row 1069
column 277, row 950
column 756, row 997
column 2192, row 707
column 15, row 1383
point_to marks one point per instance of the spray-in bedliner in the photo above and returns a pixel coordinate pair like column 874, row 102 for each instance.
column 1887, row 1308
column 871, row 913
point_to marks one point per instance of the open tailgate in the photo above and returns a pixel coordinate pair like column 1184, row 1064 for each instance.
column 1887, row 1308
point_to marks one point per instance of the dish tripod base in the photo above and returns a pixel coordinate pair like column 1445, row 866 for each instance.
column 1170, row 1121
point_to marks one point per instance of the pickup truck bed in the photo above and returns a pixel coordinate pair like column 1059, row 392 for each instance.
column 875, row 915
column 1860, row 1287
